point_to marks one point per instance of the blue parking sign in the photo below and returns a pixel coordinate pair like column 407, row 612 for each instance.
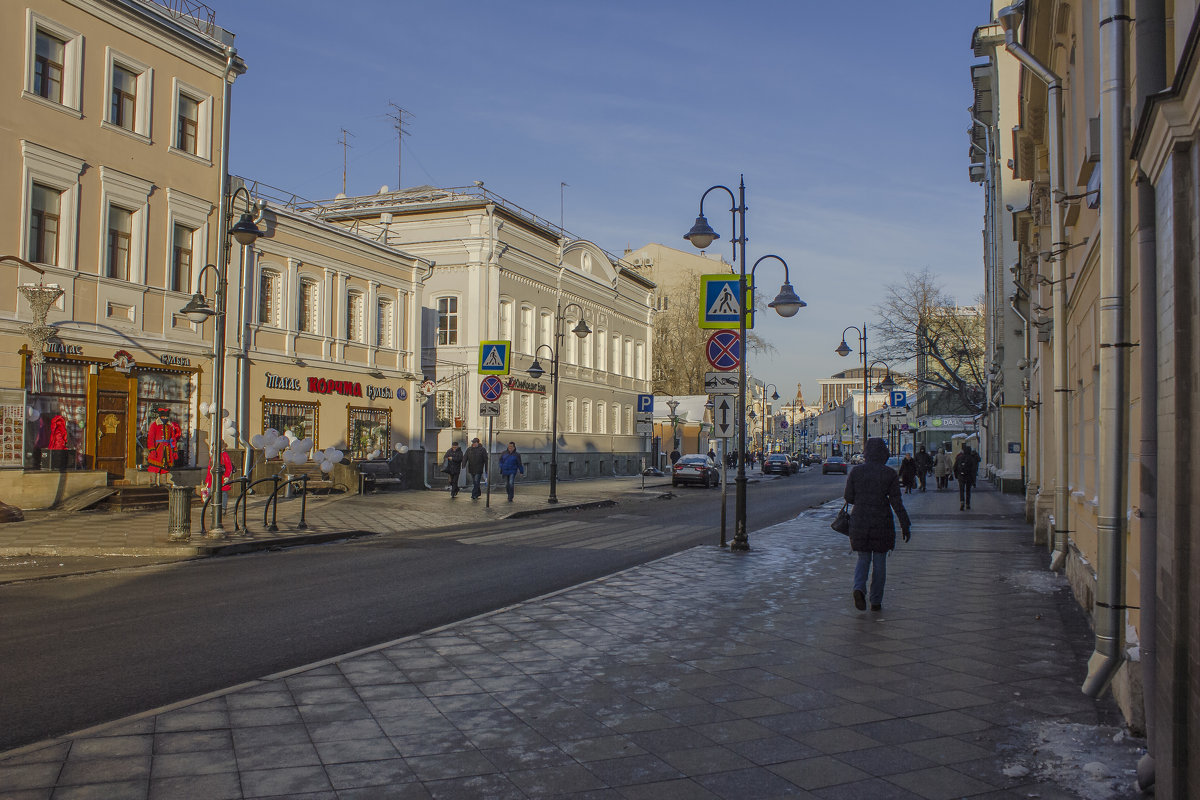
column 899, row 398
column 645, row 403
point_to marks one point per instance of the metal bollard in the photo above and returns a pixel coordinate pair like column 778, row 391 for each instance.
column 179, row 513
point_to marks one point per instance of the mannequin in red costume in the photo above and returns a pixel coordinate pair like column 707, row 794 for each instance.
column 162, row 444
column 58, row 433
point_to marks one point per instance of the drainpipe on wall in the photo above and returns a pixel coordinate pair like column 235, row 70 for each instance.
column 1151, row 66
column 1010, row 18
column 1025, row 390
column 1109, row 613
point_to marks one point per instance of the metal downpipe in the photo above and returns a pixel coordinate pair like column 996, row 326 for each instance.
column 1053, row 83
column 1109, row 613
column 1149, row 34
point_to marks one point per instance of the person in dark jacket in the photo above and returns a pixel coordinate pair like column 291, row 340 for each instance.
column 966, row 470
column 924, row 466
column 477, row 459
column 452, row 464
column 873, row 489
column 908, row 474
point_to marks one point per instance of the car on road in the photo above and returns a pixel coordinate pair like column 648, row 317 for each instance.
column 834, row 464
column 777, row 463
column 894, row 462
column 699, row 469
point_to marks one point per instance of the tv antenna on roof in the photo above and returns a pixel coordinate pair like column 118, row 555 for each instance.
column 345, row 143
column 398, row 120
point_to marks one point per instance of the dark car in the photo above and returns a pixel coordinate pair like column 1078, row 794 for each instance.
column 695, row 469
column 777, row 463
column 833, row 464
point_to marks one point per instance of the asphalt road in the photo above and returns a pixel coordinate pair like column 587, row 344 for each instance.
column 78, row 651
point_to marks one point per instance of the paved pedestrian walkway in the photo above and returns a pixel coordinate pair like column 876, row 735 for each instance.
column 706, row 674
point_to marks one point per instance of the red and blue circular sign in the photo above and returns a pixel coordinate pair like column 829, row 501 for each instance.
column 724, row 350
column 491, row 388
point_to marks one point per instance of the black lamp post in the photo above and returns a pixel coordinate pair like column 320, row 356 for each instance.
column 787, row 303
column 843, row 350
column 536, row 371
column 774, row 396
column 245, row 233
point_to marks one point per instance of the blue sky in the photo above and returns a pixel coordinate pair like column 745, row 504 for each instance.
column 848, row 120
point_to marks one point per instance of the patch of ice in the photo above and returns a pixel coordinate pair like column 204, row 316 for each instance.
column 1043, row 582
column 1093, row 762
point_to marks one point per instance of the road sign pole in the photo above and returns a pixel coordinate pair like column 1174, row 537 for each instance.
column 487, row 503
column 724, row 485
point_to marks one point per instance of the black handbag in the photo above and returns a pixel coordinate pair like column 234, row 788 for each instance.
column 841, row 523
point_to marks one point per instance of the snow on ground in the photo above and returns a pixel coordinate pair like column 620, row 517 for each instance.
column 1040, row 581
column 1093, row 762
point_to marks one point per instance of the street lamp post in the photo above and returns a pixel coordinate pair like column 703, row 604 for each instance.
column 886, row 385
column 197, row 310
column 774, row 396
column 674, row 404
column 536, row 371
column 843, row 350
column 786, row 303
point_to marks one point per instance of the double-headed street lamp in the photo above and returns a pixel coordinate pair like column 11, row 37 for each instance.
column 843, row 350
column 245, row 232
column 536, row 371
column 787, row 303
column 672, row 405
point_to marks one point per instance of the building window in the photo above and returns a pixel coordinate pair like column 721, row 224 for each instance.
column 308, row 306
column 120, row 232
column 53, row 63
column 525, row 345
column 601, row 417
column 370, row 432
column 447, row 320
column 628, row 362
column 122, row 112
column 268, row 298
column 601, row 350
column 172, row 391
column 585, row 414
column 49, row 57
column 444, row 407
column 383, row 328
column 616, row 355
column 543, row 413
column 569, row 422
column 181, row 258
column 617, row 420
column 547, row 325
column 506, row 320
column 129, row 85
column 526, row 409
column 354, row 317
column 299, row 418
column 44, row 209
column 639, row 361
column 187, row 124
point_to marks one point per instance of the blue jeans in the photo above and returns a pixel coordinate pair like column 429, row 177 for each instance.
column 475, row 478
column 510, row 483
column 876, row 564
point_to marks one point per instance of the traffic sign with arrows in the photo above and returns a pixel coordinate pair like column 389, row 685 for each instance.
column 724, row 412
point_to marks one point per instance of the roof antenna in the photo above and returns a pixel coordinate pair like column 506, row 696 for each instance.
column 398, row 121
column 562, row 197
column 345, row 143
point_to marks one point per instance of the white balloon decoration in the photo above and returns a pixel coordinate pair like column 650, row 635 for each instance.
column 256, row 441
column 204, row 408
column 326, row 466
column 32, row 414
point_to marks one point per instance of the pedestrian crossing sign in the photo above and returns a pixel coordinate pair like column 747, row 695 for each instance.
column 721, row 302
column 493, row 357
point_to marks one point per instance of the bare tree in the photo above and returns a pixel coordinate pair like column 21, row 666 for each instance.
column 919, row 322
column 680, row 360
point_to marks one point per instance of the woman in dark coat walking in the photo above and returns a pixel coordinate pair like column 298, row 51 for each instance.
column 873, row 489
column 908, row 474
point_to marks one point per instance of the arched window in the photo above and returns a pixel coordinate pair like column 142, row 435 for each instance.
column 585, row 413
column 547, row 328
column 268, row 298
column 308, row 306
column 601, row 350
column 506, row 320
column 569, row 422
column 354, row 316
column 639, row 361
column 601, row 417
column 525, row 341
column 383, row 327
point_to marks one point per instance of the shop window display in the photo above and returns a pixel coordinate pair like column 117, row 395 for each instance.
column 370, row 432
column 298, row 418
column 56, row 424
column 164, row 421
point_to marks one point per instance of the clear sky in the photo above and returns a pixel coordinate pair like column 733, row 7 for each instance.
column 848, row 119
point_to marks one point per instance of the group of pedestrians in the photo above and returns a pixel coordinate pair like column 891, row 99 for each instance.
column 475, row 458
column 873, row 490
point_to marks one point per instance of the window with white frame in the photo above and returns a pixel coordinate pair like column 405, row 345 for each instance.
column 444, row 407
column 506, row 320
column 383, row 327
column 185, row 213
column 627, row 364
column 48, row 173
column 125, row 206
column 192, row 112
column 616, row 355
column 268, row 298
column 525, row 342
column 526, row 408
column 601, row 350
column 117, row 242
column 616, row 422
column 45, row 211
column 182, row 239
column 128, row 87
column 447, row 320
column 54, row 63
column 572, row 354
column 601, row 417
column 585, row 416
column 639, row 361
column 354, row 316
column 308, row 306
column 585, row 351
column 543, row 413
column 569, row 419
column 628, row 419
column 547, row 329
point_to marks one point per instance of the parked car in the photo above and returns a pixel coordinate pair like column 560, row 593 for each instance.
column 894, row 462
column 777, row 463
column 695, row 469
column 833, row 464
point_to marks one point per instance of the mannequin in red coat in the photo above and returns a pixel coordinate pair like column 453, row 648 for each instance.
column 162, row 444
column 58, row 433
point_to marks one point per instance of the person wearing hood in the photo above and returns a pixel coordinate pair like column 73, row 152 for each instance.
column 873, row 489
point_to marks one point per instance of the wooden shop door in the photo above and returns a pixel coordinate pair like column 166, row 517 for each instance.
column 112, row 412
